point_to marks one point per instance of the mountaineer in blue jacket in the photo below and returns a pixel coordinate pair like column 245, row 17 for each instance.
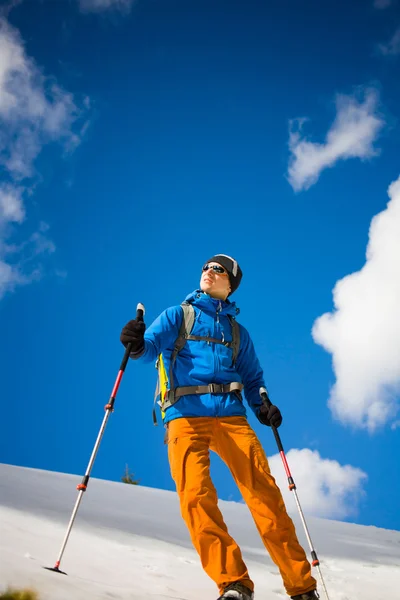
column 204, row 411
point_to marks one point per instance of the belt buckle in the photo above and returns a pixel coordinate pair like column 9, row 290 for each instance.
column 213, row 387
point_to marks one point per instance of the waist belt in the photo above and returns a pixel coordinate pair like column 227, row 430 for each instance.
column 172, row 396
column 211, row 388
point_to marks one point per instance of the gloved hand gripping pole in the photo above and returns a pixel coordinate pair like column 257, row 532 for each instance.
column 292, row 487
column 109, row 408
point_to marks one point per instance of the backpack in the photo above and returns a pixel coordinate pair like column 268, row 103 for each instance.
column 165, row 396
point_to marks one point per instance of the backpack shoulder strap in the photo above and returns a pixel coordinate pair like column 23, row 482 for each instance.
column 185, row 329
column 235, row 338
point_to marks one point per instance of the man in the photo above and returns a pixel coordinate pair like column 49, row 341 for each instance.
column 204, row 412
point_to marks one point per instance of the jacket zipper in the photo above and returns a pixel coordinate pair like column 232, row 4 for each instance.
column 216, row 365
column 217, row 327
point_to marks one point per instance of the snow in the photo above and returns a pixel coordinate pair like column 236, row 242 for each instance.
column 130, row 543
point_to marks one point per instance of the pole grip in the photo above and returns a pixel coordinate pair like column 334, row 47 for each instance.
column 267, row 402
column 265, row 397
column 140, row 310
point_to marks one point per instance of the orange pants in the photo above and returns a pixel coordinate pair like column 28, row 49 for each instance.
column 232, row 438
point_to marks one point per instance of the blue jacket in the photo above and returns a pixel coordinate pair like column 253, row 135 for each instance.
column 201, row 362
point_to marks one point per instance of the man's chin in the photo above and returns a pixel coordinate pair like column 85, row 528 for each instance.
column 206, row 289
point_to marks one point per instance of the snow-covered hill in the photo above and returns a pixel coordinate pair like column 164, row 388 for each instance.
column 129, row 543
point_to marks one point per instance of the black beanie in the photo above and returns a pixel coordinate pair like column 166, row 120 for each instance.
column 232, row 268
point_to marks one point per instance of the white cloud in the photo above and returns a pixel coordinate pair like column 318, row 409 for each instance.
column 324, row 487
column 18, row 265
column 34, row 111
column 351, row 135
column 363, row 331
column 381, row 4
column 101, row 5
column 8, row 6
column 392, row 48
column 10, row 277
column 11, row 204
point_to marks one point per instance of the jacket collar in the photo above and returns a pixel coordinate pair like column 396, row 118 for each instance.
column 207, row 303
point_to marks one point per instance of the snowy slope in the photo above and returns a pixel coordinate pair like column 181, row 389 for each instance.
column 129, row 542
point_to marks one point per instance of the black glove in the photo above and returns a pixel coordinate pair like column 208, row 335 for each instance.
column 270, row 416
column 133, row 333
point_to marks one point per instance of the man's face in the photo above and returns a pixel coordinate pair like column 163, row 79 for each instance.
column 214, row 282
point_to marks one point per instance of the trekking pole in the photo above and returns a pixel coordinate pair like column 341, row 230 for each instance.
column 109, row 408
column 292, row 488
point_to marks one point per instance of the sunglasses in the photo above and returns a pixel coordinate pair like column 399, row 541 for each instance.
column 216, row 268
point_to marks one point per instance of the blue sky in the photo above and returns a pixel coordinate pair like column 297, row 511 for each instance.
column 137, row 140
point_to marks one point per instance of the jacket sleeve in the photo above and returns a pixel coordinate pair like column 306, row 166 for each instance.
column 249, row 368
column 161, row 334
